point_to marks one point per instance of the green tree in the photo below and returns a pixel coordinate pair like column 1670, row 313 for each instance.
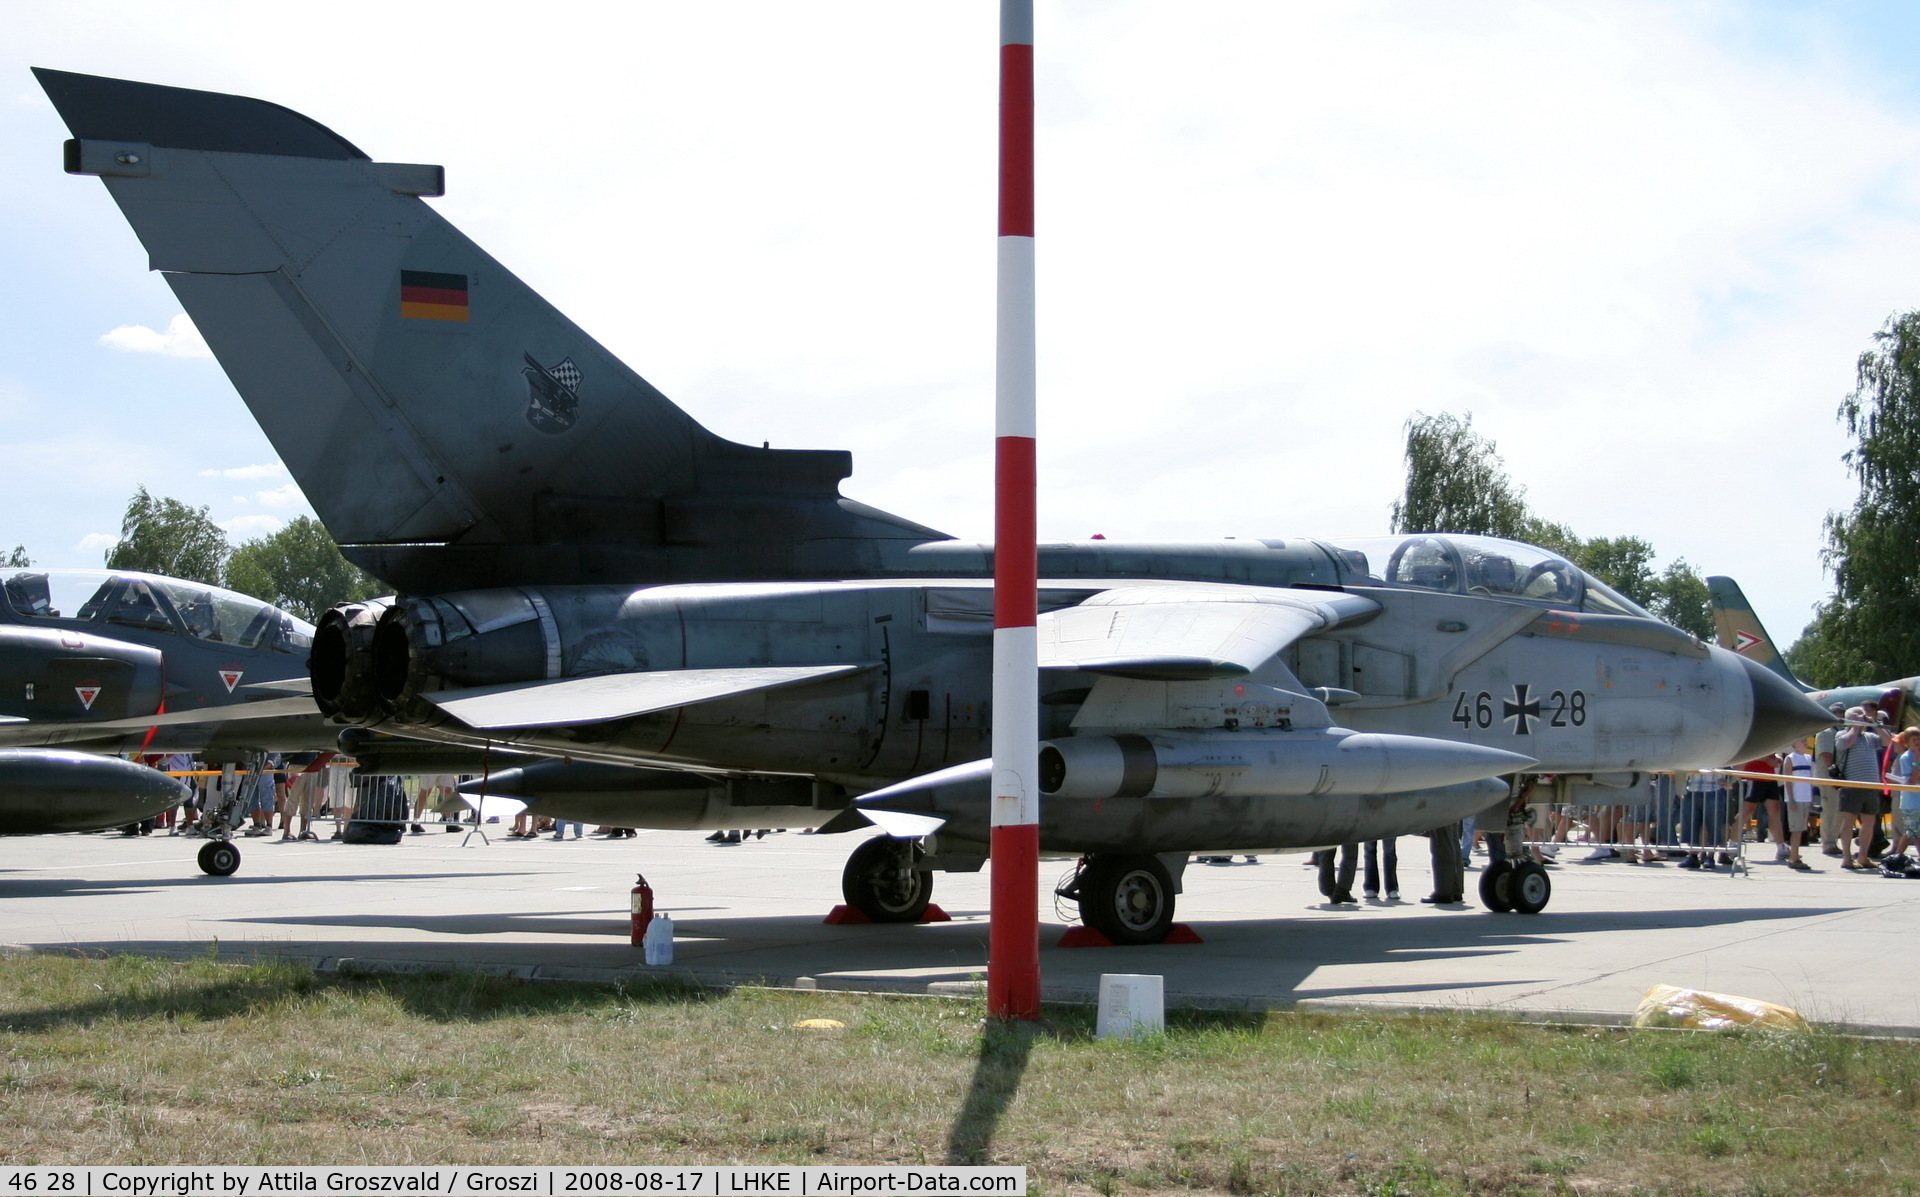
column 1680, row 597
column 300, row 569
column 17, row 559
column 1456, row 482
column 165, row 536
column 1810, row 659
column 1870, row 628
column 1622, row 562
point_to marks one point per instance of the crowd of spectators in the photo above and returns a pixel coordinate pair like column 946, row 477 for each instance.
column 1843, row 786
column 295, row 797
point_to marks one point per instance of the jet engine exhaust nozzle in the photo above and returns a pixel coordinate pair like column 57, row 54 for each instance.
column 341, row 662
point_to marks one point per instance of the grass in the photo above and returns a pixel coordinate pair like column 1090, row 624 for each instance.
column 138, row 1061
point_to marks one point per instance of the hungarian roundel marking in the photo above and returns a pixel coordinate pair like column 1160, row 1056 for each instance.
column 1742, row 641
column 231, row 677
column 86, row 693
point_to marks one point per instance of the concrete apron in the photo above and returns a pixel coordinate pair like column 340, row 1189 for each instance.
column 751, row 914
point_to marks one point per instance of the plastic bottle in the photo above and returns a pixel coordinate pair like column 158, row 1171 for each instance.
column 659, row 940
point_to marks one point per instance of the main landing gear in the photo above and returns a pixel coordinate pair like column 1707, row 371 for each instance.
column 881, row 882
column 1127, row 898
column 1519, row 886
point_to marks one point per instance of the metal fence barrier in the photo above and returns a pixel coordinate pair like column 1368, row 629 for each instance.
column 1666, row 819
column 1659, row 819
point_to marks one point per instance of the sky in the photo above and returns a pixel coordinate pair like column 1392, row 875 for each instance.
column 1641, row 244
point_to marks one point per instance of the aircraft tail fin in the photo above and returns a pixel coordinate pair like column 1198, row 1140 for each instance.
column 451, row 428
column 1738, row 630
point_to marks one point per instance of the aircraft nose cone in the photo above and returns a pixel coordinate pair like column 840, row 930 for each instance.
column 1781, row 714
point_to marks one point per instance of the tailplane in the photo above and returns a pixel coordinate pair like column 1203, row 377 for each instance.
column 1738, row 630
column 450, row 427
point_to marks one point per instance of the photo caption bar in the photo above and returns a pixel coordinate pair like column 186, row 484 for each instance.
column 709, row 1181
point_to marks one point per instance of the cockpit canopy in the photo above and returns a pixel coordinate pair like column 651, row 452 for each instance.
column 1479, row 565
column 150, row 601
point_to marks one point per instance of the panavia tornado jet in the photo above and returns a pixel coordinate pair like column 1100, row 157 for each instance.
column 118, row 661
column 709, row 634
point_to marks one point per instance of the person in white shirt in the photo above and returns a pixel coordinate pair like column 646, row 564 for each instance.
column 1797, row 766
column 1906, row 803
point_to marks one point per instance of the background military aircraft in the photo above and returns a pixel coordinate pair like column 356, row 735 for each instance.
column 94, row 658
column 115, row 661
column 710, row 634
column 1738, row 629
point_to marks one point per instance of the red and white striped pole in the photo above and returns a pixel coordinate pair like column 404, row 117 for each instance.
column 1013, row 937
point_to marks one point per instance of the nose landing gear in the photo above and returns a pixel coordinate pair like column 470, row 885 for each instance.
column 219, row 858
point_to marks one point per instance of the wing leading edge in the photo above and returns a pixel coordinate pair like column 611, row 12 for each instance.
column 1190, row 632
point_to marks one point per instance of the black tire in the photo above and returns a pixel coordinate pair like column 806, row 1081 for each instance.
column 1530, row 888
column 219, row 858
column 1496, row 886
column 1128, row 899
column 881, row 882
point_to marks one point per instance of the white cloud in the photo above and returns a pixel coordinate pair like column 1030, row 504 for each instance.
column 280, row 496
column 239, row 500
column 252, row 525
column 248, row 473
column 181, row 339
column 96, row 542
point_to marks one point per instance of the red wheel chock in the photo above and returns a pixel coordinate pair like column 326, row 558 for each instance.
column 1087, row 937
column 850, row 916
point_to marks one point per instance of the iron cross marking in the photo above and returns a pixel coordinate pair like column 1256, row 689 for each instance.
column 1520, row 710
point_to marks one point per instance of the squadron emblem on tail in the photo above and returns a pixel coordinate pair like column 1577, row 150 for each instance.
column 553, row 395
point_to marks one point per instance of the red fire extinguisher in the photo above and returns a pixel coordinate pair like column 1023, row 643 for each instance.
column 642, row 906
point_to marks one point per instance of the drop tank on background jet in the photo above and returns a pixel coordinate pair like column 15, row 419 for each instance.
column 586, row 572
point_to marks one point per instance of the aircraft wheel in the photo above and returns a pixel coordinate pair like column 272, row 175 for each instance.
column 219, row 858
column 1530, row 887
column 1128, row 899
column 1496, row 886
column 881, row 882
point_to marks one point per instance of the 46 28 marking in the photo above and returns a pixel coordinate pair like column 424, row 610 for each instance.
column 1521, row 710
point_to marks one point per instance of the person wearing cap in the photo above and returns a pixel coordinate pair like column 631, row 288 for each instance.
column 1828, row 796
column 1857, row 753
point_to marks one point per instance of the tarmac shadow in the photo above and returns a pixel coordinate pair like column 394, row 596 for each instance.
column 592, row 922
column 55, row 887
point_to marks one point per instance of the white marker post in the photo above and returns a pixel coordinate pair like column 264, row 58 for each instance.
column 1013, row 937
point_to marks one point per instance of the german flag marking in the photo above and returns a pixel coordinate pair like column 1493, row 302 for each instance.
column 426, row 295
